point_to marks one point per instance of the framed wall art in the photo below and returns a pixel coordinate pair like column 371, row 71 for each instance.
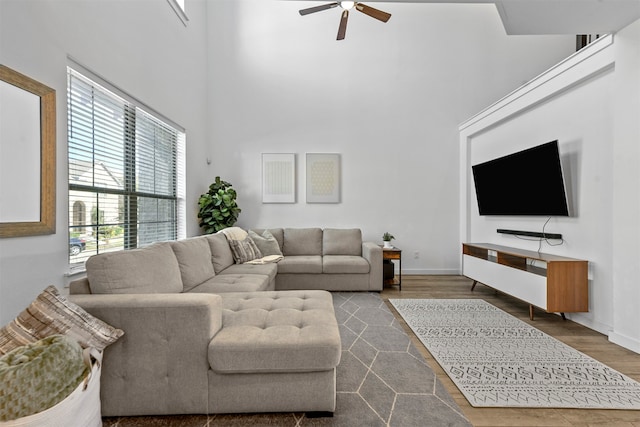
column 278, row 178
column 323, row 178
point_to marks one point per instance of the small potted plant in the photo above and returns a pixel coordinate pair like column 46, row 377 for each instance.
column 387, row 238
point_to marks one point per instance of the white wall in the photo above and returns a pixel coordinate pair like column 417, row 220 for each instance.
column 626, row 189
column 591, row 104
column 388, row 98
column 139, row 46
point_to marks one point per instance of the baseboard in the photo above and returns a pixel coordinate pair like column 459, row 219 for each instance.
column 624, row 341
column 430, row 271
column 585, row 319
column 629, row 343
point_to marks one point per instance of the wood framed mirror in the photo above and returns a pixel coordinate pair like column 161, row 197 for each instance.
column 27, row 156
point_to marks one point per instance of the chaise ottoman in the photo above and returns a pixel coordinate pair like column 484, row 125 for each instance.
column 277, row 351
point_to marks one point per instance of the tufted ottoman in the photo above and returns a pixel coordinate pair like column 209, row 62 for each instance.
column 276, row 352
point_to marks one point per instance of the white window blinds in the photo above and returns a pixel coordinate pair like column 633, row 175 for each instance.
column 123, row 172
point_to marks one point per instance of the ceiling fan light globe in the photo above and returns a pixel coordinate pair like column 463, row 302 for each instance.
column 347, row 5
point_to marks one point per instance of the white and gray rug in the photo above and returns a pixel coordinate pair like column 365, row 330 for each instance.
column 497, row 360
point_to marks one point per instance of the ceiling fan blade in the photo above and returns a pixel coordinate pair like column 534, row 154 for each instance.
column 373, row 12
column 342, row 30
column 318, row 8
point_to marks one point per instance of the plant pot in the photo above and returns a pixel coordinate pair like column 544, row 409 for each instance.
column 387, row 244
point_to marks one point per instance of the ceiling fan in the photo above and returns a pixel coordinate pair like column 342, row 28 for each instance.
column 347, row 6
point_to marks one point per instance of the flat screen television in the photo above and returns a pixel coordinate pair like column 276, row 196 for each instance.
column 528, row 182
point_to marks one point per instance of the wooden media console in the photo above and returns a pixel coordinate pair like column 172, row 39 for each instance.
column 553, row 283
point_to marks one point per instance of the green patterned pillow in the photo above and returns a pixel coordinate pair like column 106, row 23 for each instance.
column 39, row 375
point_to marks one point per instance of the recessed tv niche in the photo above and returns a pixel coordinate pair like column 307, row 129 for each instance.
column 528, row 182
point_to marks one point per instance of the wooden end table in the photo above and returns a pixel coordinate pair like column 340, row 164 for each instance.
column 393, row 254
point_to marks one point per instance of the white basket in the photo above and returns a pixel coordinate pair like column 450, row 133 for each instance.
column 80, row 409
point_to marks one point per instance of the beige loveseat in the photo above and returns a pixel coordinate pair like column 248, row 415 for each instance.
column 206, row 335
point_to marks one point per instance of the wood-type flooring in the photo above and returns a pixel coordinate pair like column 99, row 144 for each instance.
column 577, row 336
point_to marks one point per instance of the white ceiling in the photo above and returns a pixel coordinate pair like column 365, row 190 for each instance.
column 552, row 16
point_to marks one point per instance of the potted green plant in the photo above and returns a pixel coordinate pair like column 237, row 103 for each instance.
column 387, row 238
column 218, row 207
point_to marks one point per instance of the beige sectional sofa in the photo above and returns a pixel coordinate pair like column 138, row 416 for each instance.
column 204, row 334
column 330, row 259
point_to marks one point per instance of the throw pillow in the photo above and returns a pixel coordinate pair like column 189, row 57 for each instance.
column 50, row 314
column 39, row 375
column 244, row 250
column 267, row 244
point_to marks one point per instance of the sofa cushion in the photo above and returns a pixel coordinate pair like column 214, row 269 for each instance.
column 221, row 255
column 342, row 241
column 278, row 233
column 153, row 269
column 281, row 331
column 244, row 250
column 51, row 313
column 265, row 241
column 302, row 241
column 349, row 264
column 269, row 269
column 300, row 264
column 234, row 283
column 194, row 260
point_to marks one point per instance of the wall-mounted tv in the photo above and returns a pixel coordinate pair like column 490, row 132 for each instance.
column 528, row 182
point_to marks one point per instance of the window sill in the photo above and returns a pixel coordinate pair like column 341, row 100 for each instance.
column 75, row 271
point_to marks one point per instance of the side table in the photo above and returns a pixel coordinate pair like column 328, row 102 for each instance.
column 393, row 254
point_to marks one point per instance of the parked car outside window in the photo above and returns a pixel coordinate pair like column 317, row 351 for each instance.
column 76, row 245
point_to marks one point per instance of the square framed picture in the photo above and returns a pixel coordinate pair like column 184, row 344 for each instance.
column 323, row 178
column 278, row 178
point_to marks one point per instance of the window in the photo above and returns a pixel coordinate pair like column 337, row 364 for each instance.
column 125, row 173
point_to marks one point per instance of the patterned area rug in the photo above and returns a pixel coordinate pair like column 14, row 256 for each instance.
column 497, row 360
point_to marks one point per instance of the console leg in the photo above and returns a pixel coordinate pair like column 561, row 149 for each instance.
column 319, row 414
column 531, row 311
column 475, row 282
column 563, row 317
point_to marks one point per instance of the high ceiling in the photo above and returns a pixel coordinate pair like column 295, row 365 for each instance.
column 552, row 16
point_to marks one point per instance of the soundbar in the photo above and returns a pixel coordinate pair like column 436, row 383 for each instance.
column 531, row 234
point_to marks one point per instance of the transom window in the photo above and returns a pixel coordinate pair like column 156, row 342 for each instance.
column 125, row 173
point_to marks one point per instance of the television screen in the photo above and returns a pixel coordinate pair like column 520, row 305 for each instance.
column 528, row 182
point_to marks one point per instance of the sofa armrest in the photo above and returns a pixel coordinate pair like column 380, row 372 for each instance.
column 79, row 286
column 161, row 360
column 373, row 254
